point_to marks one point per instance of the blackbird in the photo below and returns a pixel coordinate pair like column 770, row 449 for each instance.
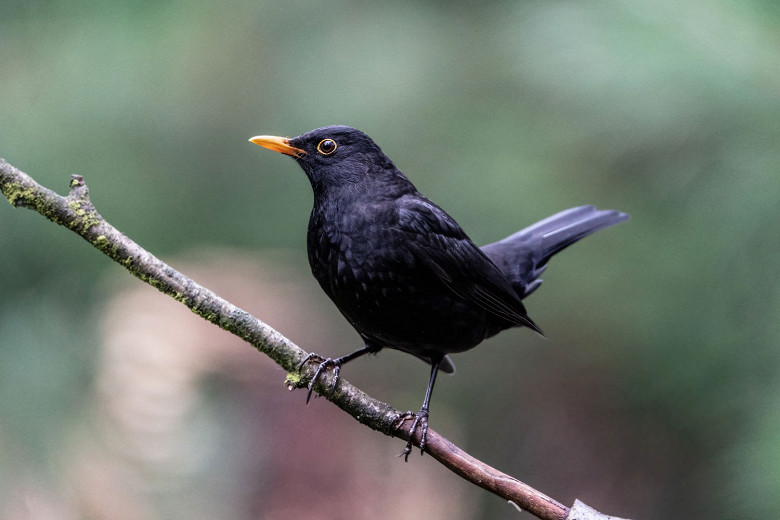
column 401, row 270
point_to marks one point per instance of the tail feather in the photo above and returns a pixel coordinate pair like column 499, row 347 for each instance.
column 523, row 256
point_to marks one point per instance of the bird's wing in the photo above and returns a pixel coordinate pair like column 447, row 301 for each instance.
column 434, row 238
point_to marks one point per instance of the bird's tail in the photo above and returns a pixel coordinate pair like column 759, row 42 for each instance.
column 523, row 256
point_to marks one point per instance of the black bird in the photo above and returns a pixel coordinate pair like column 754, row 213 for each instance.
column 401, row 270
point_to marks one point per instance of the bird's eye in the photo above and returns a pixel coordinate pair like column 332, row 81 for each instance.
column 326, row 146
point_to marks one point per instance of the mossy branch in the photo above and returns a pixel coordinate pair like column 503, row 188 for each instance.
column 77, row 213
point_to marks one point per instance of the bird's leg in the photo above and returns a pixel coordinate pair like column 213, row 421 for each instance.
column 421, row 418
column 335, row 363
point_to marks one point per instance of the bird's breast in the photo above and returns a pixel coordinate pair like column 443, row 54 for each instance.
column 386, row 293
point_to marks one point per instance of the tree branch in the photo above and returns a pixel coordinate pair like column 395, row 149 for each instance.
column 77, row 213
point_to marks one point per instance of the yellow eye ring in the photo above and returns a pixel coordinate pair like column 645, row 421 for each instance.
column 327, row 146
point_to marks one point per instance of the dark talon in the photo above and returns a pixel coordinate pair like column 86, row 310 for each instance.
column 308, row 358
column 335, row 363
column 324, row 363
column 401, row 419
column 421, row 420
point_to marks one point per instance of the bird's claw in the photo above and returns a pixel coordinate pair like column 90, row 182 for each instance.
column 324, row 363
column 421, row 421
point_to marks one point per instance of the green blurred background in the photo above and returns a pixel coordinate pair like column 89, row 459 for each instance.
column 654, row 396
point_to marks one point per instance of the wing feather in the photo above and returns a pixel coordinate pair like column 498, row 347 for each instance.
column 435, row 239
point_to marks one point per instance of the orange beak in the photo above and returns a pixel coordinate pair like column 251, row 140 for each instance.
column 277, row 144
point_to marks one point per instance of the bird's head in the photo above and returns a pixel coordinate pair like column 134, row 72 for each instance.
column 335, row 156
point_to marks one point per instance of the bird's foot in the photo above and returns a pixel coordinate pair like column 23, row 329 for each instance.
column 324, row 364
column 421, row 421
